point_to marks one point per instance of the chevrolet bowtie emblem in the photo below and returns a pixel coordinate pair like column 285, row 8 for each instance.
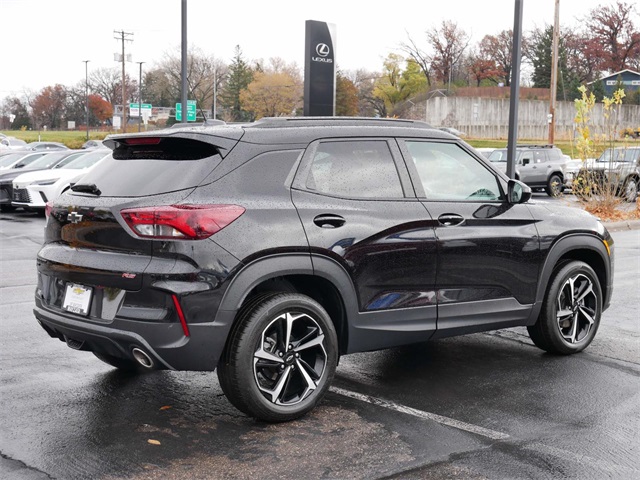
column 74, row 217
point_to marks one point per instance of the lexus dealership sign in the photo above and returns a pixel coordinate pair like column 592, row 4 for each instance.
column 320, row 69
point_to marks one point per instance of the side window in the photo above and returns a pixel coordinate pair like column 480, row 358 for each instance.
column 357, row 169
column 447, row 172
column 539, row 157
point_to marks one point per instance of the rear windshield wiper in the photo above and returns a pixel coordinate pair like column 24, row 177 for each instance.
column 86, row 188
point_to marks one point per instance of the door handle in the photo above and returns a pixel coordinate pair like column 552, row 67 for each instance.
column 450, row 219
column 328, row 220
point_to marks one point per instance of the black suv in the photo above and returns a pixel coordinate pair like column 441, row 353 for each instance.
column 538, row 166
column 269, row 249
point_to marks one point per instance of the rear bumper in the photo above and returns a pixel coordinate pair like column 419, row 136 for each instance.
column 165, row 343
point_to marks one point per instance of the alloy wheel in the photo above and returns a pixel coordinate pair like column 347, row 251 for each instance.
column 290, row 358
column 577, row 309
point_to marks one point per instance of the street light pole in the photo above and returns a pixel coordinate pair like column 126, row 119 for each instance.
column 86, row 93
column 140, row 96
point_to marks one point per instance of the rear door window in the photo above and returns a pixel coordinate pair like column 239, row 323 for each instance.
column 354, row 169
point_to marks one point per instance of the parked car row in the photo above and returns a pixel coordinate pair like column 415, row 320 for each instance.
column 29, row 179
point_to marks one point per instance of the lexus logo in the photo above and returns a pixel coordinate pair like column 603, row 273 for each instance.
column 322, row 49
column 74, row 217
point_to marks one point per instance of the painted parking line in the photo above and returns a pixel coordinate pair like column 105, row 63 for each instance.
column 450, row 422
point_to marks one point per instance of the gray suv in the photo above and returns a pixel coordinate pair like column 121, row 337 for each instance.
column 618, row 167
column 539, row 166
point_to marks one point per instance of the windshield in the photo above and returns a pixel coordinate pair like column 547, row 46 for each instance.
column 7, row 160
column 619, row 155
column 498, row 155
column 47, row 161
column 86, row 160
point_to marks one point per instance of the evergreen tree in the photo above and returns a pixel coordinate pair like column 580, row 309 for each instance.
column 239, row 78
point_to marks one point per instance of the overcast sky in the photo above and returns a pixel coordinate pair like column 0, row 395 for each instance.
column 43, row 42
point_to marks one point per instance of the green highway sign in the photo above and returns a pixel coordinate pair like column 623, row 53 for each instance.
column 191, row 111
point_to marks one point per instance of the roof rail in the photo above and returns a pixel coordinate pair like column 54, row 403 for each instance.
column 533, row 145
column 273, row 122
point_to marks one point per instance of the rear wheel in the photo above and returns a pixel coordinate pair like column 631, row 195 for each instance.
column 554, row 185
column 571, row 310
column 281, row 358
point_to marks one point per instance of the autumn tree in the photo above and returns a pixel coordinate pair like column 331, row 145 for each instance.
column 271, row 94
column 100, row 108
column 364, row 81
column 482, row 69
column 448, row 44
column 613, row 36
column 49, row 106
column 346, row 97
column 238, row 79
column 499, row 50
column 401, row 80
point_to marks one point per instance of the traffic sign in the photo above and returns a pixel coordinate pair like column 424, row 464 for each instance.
column 191, row 111
column 134, row 111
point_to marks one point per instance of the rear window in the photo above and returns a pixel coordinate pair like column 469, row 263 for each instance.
column 136, row 170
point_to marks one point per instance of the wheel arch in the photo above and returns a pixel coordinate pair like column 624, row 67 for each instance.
column 586, row 248
column 323, row 280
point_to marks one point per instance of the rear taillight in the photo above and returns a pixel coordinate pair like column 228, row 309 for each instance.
column 180, row 222
column 48, row 208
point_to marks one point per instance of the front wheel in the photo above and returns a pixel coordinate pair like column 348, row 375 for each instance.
column 281, row 358
column 571, row 310
column 630, row 190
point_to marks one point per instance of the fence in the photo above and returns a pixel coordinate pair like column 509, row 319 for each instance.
column 489, row 117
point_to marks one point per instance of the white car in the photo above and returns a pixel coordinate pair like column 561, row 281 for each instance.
column 19, row 159
column 12, row 143
column 33, row 190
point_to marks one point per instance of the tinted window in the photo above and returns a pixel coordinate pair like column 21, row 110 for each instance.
column 135, row 177
column 447, row 172
column 357, row 169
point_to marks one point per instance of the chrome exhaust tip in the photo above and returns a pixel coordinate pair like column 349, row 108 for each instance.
column 142, row 358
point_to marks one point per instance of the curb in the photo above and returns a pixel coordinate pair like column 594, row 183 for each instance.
column 622, row 225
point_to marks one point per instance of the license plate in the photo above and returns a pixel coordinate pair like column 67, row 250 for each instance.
column 77, row 299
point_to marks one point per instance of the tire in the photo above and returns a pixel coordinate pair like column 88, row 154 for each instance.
column 280, row 357
column 120, row 363
column 571, row 310
column 630, row 190
column 555, row 185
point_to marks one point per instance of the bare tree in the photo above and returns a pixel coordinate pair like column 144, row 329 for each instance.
column 423, row 58
column 448, row 43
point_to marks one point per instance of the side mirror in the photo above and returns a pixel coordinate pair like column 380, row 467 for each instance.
column 518, row 192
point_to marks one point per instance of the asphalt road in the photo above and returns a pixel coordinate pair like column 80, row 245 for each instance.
column 481, row 406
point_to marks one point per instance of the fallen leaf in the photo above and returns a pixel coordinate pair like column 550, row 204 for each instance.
column 166, row 407
column 153, row 442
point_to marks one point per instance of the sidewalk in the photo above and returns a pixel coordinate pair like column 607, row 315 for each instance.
column 622, row 225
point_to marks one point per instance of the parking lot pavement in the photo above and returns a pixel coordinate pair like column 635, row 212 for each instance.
column 481, row 406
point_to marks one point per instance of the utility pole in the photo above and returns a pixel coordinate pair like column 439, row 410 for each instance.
column 123, row 37
column 554, row 74
column 184, row 91
column 214, row 107
column 86, row 93
column 140, row 96
column 512, row 139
